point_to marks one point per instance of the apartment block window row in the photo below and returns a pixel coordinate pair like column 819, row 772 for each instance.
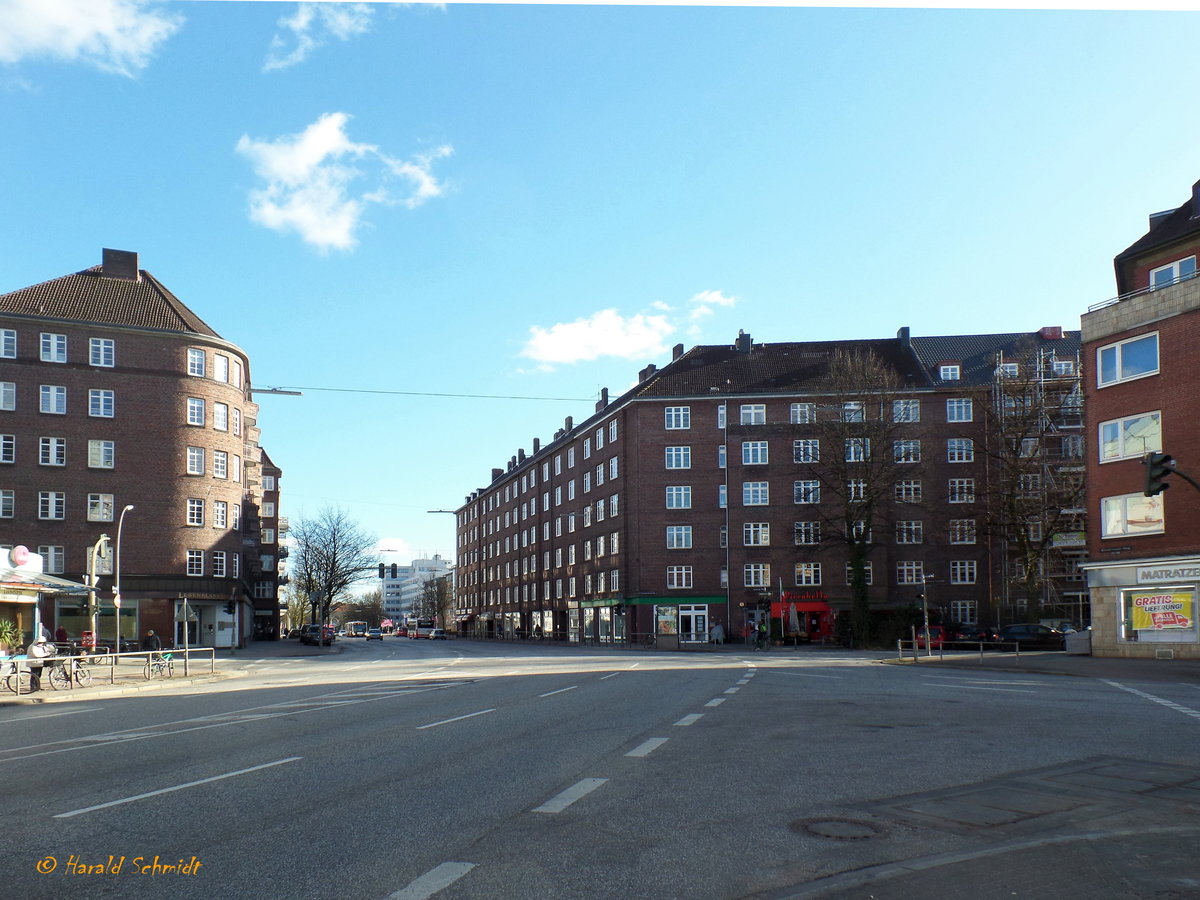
column 224, row 563
column 53, row 348
column 224, row 368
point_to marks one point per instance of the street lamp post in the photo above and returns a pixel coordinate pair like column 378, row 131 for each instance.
column 97, row 549
column 116, row 588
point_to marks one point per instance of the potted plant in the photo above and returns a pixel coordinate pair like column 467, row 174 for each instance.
column 10, row 637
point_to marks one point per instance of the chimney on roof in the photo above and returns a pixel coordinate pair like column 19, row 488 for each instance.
column 569, row 424
column 603, row 401
column 537, row 445
column 903, row 336
column 647, row 372
column 521, row 455
column 744, row 343
column 1051, row 333
column 122, row 264
column 676, row 352
column 496, row 473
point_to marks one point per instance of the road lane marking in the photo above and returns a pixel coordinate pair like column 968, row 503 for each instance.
column 715, row 702
column 613, row 675
column 70, row 712
column 690, row 719
column 433, row 881
column 646, row 747
column 482, row 712
column 732, row 690
column 744, row 681
column 178, row 787
column 1169, row 704
column 559, row 691
column 559, row 802
column 971, row 687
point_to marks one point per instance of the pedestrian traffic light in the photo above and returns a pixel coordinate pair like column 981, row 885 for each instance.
column 1158, row 467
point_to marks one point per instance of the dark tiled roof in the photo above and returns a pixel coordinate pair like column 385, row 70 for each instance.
column 87, row 296
column 769, row 368
column 977, row 353
column 1167, row 229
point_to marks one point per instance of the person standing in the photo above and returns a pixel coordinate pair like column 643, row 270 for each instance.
column 151, row 642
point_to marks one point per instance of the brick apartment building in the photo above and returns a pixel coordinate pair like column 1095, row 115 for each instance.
column 726, row 488
column 1143, row 566
column 121, row 410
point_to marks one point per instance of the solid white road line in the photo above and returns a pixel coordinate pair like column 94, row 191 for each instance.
column 70, row 712
column 646, row 747
column 1169, row 704
column 456, row 719
column 433, row 881
column 561, row 801
column 178, row 787
column 715, row 702
column 613, row 675
column 559, row 691
column 690, row 719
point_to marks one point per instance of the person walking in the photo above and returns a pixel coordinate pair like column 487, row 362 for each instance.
column 151, row 641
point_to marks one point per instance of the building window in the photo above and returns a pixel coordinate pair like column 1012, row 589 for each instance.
column 1131, row 437
column 910, row 532
column 756, row 534
column 101, row 454
column 962, row 571
column 754, row 414
column 220, row 514
column 221, row 416
column 754, row 453
column 679, row 457
column 218, row 565
column 101, row 404
column 220, row 464
column 235, row 565
column 858, row 449
column 101, row 352
column 1130, row 514
column 53, row 399
column 962, row 531
column 268, row 562
column 962, row 490
column 807, row 574
column 195, row 563
column 587, row 448
column 237, row 421
column 1172, row 272
column 7, row 502
column 53, row 559
column 8, row 448
column 679, row 537
column 756, row 575
column 195, row 411
column 960, row 409
column 100, row 508
column 587, row 482
column 679, row 578
column 802, row 413
column 808, row 491
column 195, row 362
column 8, row 395
column 679, row 497
column 807, row 533
column 8, row 343
column 220, row 367
column 960, row 450
column 1008, row 370
column 722, row 496
column 1029, row 484
column 235, row 468
column 853, row 411
column 910, row 573
column 235, row 517
column 195, row 460
column 54, row 347
column 856, row 490
column 1062, row 367
column 195, row 511
column 950, row 373
column 906, row 410
column 52, row 505
column 868, row 573
column 755, row 493
column 678, row 417
column 1125, row 360
column 806, row 450
column 52, row 451
column 906, row 451
column 613, row 468
column 908, row 491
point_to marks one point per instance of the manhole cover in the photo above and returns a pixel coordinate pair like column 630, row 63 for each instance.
column 837, row 829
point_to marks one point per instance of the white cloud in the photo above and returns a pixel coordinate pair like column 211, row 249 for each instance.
column 311, row 27
column 310, row 180
column 117, row 36
column 605, row 333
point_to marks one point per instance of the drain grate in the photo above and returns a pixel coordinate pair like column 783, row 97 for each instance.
column 837, row 829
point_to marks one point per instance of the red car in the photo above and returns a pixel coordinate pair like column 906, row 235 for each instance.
column 937, row 636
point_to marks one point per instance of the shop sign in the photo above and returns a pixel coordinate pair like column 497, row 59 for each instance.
column 1158, row 574
column 1157, row 610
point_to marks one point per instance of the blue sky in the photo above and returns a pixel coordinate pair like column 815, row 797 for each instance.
column 383, row 203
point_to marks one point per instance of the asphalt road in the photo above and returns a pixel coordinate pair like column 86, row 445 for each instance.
column 410, row 769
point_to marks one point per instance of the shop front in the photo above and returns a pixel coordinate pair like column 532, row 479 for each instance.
column 676, row 623
column 805, row 615
column 23, row 587
column 1145, row 608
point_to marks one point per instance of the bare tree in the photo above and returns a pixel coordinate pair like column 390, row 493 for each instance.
column 332, row 553
column 869, row 449
column 368, row 609
column 435, row 600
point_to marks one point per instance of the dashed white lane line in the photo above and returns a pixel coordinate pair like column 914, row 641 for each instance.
column 1169, row 704
column 559, row 691
column 690, row 719
column 481, row 712
column 559, row 802
column 646, row 747
column 744, row 681
column 732, row 690
column 177, row 787
column 613, row 675
column 433, row 881
column 717, row 701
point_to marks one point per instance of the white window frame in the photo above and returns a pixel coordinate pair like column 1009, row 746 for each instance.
column 679, row 537
column 8, row 343
column 1116, row 366
column 195, row 511
column 753, row 414
column 949, row 373
column 808, row 574
column 806, row 490
column 806, row 533
column 195, row 564
column 906, row 451
column 52, row 506
column 806, row 450
column 756, row 534
column 802, row 413
column 1174, row 271
column 677, row 418
column 197, row 362
column 53, row 400
column 755, row 453
column 963, row 571
column 910, row 572
column 100, row 507
column 679, row 496
column 960, row 409
column 194, row 457
column 102, row 454
column 961, row 490
column 756, row 574
column 908, row 410
column 196, row 413
column 960, row 450
column 52, row 451
column 1117, row 435
column 54, row 347
column 102, row 403
column 679, row 578
column 962, row 531
column 1149, row 512
column 102, row 352
column 679, row 457
column 756, row 493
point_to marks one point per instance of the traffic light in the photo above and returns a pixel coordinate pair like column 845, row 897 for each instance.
column 1158, row 467
column 229, row 608
column 381, row 575
column 395, row 572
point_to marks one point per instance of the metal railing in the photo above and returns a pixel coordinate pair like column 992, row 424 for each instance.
column 23, row 675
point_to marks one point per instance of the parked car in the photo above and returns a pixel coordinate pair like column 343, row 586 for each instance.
column 374, row 634
column 976, row 633
column 437, row 634
column 318, row 635
column 937, row 637
column 402, row 631
column 1034, row 636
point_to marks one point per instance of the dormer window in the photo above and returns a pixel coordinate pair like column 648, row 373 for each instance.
column 1008, row 370
column 1173, row 272
column 951, row 373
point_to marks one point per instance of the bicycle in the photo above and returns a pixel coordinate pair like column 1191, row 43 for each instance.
column 61, row 678
column 22, row 680
column 159, row 666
